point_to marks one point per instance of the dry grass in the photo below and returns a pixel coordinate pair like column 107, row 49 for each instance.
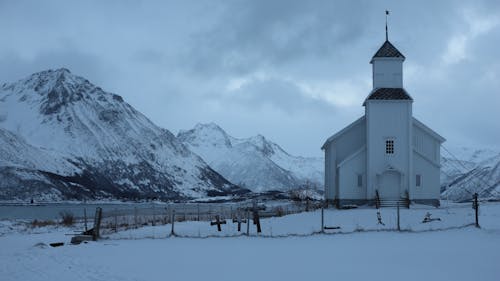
column 40, row 223
column 67, row 218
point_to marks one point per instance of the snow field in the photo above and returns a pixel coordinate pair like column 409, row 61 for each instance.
column 459, row 254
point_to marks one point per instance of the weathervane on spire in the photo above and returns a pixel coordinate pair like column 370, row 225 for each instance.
column 386, row 33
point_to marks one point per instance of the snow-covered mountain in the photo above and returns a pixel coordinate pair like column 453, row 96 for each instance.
column 466, row 171
column 255, row 163
column 83, row 142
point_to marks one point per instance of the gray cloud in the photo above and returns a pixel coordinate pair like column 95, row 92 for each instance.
column 90, row 66
column 277, row 94
column 255, row 34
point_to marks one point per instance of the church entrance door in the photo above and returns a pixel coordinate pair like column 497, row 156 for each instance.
column 389, row 185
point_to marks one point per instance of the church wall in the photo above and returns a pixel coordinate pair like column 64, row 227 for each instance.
column 337, row 151
column 348, row 177
column 426, row 145
column 388, row 120
column 387, row 73
column 330, row 175
column 350, row 142
column 430, row 181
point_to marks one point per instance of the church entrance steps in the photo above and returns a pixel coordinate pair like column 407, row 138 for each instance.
column 393, row 203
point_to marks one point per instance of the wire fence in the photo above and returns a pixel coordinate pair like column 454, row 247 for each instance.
column 275, row 219
column 115, row 220
column 298, row 219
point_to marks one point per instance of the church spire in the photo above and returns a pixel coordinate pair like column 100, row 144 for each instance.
column 386, row 32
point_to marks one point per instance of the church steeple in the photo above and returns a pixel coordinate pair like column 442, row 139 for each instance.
column 387, row 67
column 387, row 50
column 387, row 64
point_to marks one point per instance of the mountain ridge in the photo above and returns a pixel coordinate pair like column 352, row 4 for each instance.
column 118, row 150
column 253, row 162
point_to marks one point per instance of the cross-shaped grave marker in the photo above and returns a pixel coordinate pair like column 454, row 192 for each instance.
column 379, row 218
column 255, row 213
column 239, row 220
column 218, row 222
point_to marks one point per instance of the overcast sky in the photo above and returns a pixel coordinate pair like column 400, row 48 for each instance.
column 293, row 71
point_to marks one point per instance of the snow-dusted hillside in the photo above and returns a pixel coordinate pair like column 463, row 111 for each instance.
column 90, row 143
column 255, row 162
column 465, row 171
column 22, row 166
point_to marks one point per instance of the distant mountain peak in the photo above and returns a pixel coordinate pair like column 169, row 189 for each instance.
column 209, row 126
column 55, row 89
column 206, row 132
column 262, row 144
column 254, row 162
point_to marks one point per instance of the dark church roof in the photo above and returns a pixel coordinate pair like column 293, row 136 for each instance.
column 388, row 51
column 389, row 94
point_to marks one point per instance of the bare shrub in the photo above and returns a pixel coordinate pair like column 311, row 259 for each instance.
column 40, row 223
column 279, row 211
column 67, row 218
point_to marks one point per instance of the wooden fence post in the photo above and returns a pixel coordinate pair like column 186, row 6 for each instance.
column 248, row 223
column 116, row 220
column 85, row 218
column 97, row 223
column 198, row 205
column 399, row 227
column 173, row 221
column 135, row 217
column 154, row 215
column 322, row 219
column 476, row 209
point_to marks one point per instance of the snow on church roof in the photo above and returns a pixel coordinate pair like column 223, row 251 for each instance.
column 389, row 94
column 388, row 51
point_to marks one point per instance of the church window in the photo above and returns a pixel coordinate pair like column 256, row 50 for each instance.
column 418, row 180
column 360, row 180
column 389, row 146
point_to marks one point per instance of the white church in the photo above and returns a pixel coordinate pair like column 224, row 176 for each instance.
column 387, row 155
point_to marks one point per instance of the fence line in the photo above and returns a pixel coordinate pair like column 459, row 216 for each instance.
column 115, row 220
column 118, row 223
column 314, row 233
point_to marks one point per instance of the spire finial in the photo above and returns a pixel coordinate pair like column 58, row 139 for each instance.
column 386, row 32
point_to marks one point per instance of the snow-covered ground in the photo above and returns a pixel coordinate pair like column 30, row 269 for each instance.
column 459, row 253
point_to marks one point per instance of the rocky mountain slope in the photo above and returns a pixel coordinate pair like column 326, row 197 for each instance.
column 255, row 163
column 83, row 142
column 466, row 171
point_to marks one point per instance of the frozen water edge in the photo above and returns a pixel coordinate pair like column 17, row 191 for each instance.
column 463, row 254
